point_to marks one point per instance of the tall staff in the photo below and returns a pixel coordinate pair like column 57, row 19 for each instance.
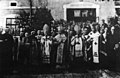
column 68, row 37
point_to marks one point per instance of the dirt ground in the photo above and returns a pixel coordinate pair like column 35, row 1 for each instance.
column 89, row 74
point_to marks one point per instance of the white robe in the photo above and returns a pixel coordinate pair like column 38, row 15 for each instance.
column 46, row 49
column 95, row 46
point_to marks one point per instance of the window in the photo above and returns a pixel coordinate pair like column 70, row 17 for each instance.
column 117, row 2
column 11, row 22
column 117, row 11
column 13, row 4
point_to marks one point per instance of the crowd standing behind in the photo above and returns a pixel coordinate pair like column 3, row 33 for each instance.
column 81, row 44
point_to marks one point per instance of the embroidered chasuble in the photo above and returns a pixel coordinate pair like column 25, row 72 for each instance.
column 61, row 38
column 46, row 49
column 77, row 42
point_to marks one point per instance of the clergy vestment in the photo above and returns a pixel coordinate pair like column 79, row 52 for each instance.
column 95, row 46
column 77, row 48
column 46, row 48
column 61, row 39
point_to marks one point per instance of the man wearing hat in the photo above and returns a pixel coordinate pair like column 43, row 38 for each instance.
column 77, row 47
column 60, row 41
column 85, row 36
column 46, row 42
column 94, row 40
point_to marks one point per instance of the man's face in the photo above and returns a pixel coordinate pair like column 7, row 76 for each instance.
column 21, row 33
column 93, row 29
column 118, row 21
column 85, row 31
column 97, row 27
column 101, row 31
column 103, row 21
column 26, row 34
column 38, row 32
column 112, row 30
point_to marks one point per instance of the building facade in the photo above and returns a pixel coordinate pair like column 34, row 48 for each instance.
column 62, row 9
column 10, row 9
column 104, row 9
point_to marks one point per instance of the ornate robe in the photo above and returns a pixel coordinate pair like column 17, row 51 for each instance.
column 95, row 46
column 46, row 48
column 61, row 39
column 77, row 46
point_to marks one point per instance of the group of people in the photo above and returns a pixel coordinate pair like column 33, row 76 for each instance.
column 78, row 44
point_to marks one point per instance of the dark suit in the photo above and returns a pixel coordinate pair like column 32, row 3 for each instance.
column 112, row 40
column 1, row 51
column 7, row 55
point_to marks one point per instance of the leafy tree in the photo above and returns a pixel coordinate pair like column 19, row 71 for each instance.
column 42, row 16
column 35, row 19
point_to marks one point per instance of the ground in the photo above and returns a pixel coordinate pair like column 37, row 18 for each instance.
column 90, row 74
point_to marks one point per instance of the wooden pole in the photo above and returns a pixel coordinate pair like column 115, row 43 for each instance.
column 30, row 1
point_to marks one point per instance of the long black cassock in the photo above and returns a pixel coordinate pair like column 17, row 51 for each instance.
column 7, row 52
column 85, row 48
column 33, row 50
column 24, row 50
column 113, row 50
column 1, row 52
column 39, row 48
column 61, row 40
column 103, row 50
